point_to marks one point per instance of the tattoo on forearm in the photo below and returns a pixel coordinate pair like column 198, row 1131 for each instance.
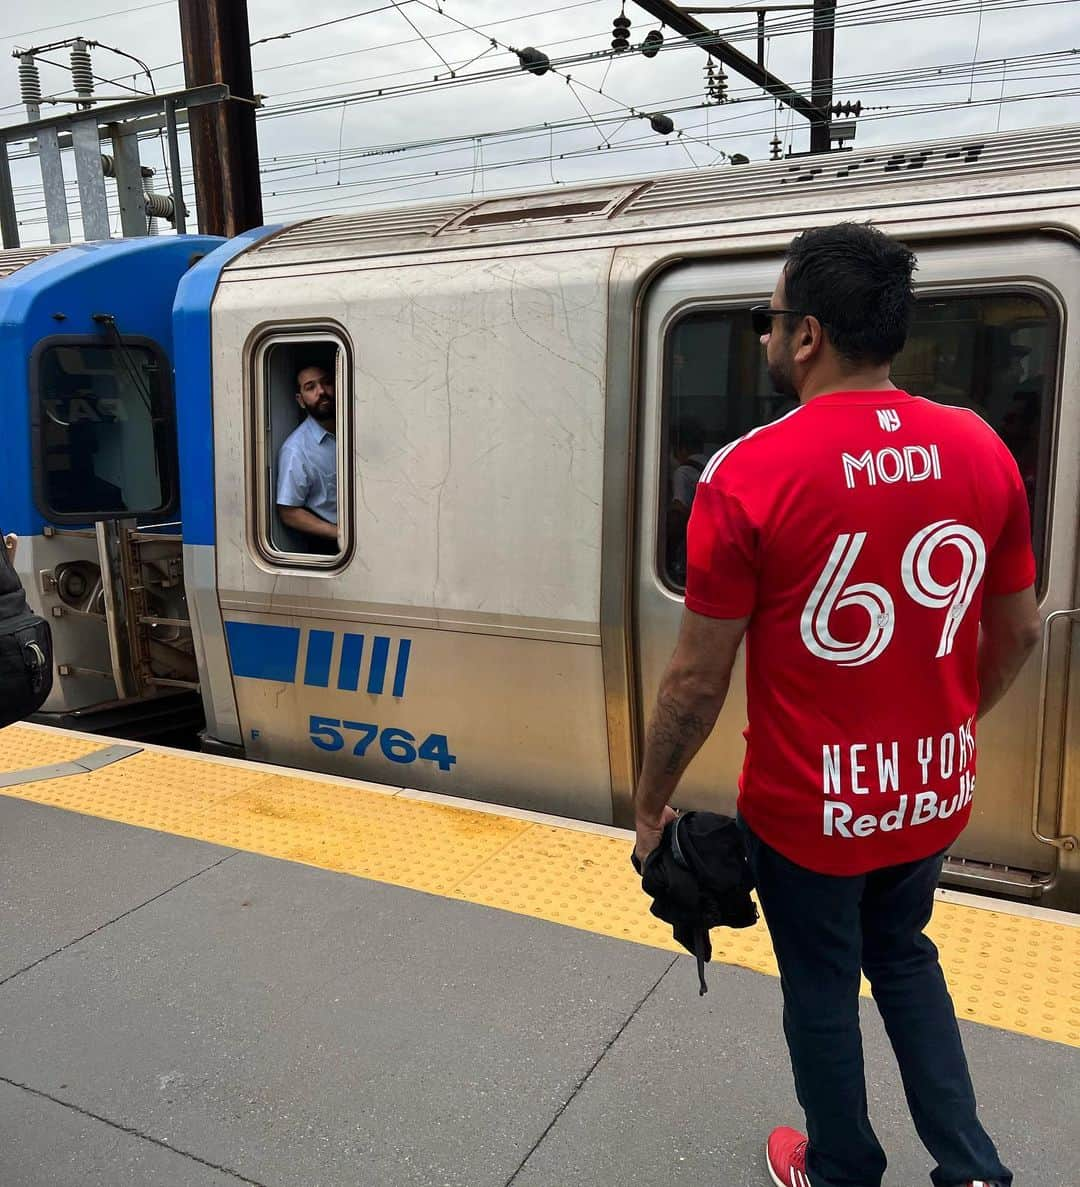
column 671, row 730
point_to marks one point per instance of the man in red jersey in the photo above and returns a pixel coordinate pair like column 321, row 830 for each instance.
column 860, row 542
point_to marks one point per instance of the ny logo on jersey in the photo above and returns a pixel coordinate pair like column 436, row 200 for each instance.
column 888, row 419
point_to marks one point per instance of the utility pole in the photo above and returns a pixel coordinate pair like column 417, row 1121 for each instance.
column 224, row 146
column 821, row 72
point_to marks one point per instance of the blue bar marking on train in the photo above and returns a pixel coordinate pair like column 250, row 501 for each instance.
column 320, row 646
column 263, row 652
column 402, row 669
column 380, row 653
column 352, row 655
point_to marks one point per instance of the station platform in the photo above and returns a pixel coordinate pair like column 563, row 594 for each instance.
column 216, row 972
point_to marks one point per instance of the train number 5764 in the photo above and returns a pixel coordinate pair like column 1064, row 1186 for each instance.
column 397, row 745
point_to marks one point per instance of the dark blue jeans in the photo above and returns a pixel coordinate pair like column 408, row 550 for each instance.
column 825, row 930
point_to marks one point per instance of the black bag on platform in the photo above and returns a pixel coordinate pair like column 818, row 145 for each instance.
column 26, row 662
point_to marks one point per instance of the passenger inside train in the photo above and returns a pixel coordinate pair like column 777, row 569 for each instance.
column 306, row 471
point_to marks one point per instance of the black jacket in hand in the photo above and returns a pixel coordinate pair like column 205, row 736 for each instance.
column 698, row 878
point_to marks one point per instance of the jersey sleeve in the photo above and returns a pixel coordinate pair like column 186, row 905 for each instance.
column 1010, row 563
column 721, row 555
column 293, row 483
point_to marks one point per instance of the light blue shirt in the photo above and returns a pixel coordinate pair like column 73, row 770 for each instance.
column 307, row 470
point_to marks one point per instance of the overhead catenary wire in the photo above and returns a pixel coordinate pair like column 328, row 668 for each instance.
column 928, row 76
column 370, row 157
column 872, row 13
column 340, row 20
column 1032, row 67
column 644, row 144
column 288, row 34
column 558, row 66
column 85, row 20
column 867, row 12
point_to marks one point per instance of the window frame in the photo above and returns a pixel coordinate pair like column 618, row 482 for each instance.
column 168, row 457
column 261, row 495
column 1042, row 507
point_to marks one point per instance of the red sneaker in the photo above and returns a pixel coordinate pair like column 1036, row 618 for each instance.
column 785, row 1156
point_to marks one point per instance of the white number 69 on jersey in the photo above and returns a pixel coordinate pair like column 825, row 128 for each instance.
column 831, row 592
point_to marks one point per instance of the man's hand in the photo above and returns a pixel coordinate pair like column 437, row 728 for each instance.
column 649, row 833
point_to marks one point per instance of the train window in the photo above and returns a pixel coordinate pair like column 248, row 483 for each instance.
column 992, row 352
column 302, row 437
column 102, row 424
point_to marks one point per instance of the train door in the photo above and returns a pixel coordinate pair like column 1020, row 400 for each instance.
column 989, row 334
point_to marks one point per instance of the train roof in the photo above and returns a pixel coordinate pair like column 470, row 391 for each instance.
column 14, row 258
column 962, row 168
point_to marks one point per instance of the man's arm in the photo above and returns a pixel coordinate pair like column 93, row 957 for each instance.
column 691, row 695
column 1011, row 629
column 307, row 521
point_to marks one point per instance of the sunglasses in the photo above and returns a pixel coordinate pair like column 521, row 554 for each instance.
column 761, row 317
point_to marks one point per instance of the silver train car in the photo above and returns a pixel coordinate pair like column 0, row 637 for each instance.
column 520, row 381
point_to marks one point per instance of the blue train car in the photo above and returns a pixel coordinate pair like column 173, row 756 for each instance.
column 90, row 481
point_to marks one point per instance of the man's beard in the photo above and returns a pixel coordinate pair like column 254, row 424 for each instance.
column 324, row 409
column 780, row 377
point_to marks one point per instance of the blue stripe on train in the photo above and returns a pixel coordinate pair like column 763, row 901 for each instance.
column 352, row 655
column 320, row 647
column 262, row 651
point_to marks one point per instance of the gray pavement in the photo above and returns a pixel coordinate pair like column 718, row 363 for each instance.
column 176, row 1013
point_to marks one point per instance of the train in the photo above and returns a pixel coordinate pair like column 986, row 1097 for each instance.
column 519, row 379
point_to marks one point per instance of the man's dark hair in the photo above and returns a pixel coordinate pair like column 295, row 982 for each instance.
column 306, row 366
column 856, row 281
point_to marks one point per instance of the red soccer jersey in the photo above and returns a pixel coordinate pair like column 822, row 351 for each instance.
column 859, row 533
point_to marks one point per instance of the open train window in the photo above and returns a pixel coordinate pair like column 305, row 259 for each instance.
column 104, row 445
column 993, row 352
column 303, row 445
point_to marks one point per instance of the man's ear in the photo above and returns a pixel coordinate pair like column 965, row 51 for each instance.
column 809, row 340
column 299, row 399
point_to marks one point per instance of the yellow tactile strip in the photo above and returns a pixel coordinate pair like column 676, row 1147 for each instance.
column 1016, row 973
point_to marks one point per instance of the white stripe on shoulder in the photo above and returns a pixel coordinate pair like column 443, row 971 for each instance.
column 726, row 451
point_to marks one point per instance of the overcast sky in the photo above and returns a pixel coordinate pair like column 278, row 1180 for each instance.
column 888, row 64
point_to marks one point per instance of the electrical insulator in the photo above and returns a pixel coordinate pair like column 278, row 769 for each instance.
column 620, row 33
column 774, row 149
column 82, row 73
column 29, row 79
column 663, row 124
column 715, row 83
column 654, row 39
column 847, row 108
column 161, row 206
column 535, row 61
